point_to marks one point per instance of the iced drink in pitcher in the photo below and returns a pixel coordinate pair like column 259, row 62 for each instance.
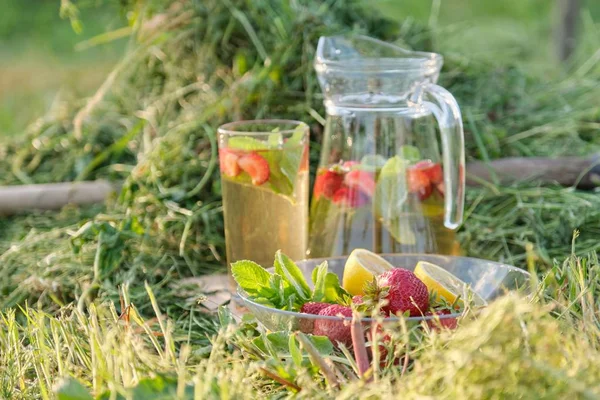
column 391, row 174
column 264, row 178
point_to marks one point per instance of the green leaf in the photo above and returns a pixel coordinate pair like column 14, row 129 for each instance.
column 410, row 153
column 327, row 286
column 371, row 163
column 278, row 181
column 159, row 388
column 292, row 275
column 71, row 389
column 295, row 351
column 318, row 277
column 251, row 277
column 390, row 195
column 246, row 143
column 280, row 343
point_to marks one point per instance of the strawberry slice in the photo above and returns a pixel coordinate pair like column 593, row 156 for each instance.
column 256, row 166
column 327, row 183
column 304, row 160
column 347, row 165
column 431, row 169
column 440, row 187
column 418, row 183
column 360, row 180
column 350, row 198
column 228, row 161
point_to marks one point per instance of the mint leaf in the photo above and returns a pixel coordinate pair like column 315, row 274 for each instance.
column 371, row 163
column 251, row 277
column 71, row 389
column 390, row 196
column 246, row 143
column 327, row 286
column 410, row 153
column 292, row 275
column 275, row 139
column 278, row 181
column 295, row 351
column 280, row 343
column 318, row 278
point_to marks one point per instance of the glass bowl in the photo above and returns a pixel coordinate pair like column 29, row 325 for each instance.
column 489, row 279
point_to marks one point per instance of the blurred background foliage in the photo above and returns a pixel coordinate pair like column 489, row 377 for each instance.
column 40, row 56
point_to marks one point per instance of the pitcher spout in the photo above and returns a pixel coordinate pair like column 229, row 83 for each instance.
column 363, row 70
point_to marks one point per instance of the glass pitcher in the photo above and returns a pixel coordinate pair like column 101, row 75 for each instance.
column 384, row 182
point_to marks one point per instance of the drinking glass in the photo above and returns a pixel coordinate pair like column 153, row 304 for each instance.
column 264, row 179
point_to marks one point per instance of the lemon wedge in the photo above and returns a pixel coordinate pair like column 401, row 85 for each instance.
column 361, row 267
column 444, row 284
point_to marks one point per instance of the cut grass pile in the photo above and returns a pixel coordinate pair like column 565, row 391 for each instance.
column 101, row 294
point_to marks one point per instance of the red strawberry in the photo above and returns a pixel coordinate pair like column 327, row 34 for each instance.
column 448, row 323
column 432, row 170
column 327, row 183
column 360, row 180
column 350, row 198
column 228, row 162
column 336, row 331
column 347, row 165
column 256, row 166
column 406, row 292
column 383, row 340
column 313, row 307
column 418, row 183
column 306, row 325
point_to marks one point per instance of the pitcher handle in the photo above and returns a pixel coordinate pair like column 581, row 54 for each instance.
column 444, row 107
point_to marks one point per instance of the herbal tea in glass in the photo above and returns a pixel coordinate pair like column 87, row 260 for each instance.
column 264, row 175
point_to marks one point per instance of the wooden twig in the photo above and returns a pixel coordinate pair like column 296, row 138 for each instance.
column 54, row 196
column 582, row 172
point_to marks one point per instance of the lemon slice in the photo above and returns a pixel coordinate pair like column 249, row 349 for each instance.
column 445, row 284
column 361, row 267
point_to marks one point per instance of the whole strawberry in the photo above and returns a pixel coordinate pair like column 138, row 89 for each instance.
column 306, row 325
column 313, row 307
column 406, row 292
column 336, row 331
column 448, row 322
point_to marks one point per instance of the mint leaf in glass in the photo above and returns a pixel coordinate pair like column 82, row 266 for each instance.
column 246, row 143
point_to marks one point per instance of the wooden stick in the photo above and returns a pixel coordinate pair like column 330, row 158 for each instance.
column 566, row 171
column 52, row 196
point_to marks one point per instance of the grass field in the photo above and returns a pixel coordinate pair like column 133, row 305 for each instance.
column 105, row 302
column 39, row 60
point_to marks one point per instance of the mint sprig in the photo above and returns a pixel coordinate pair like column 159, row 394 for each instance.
column 286, row 288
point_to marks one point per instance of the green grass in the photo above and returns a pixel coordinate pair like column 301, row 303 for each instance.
column 520, row 32
column 38, row 57
column 106, row 301
column 544, row 348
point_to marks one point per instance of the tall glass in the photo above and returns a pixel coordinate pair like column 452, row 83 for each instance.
column 264, row 175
